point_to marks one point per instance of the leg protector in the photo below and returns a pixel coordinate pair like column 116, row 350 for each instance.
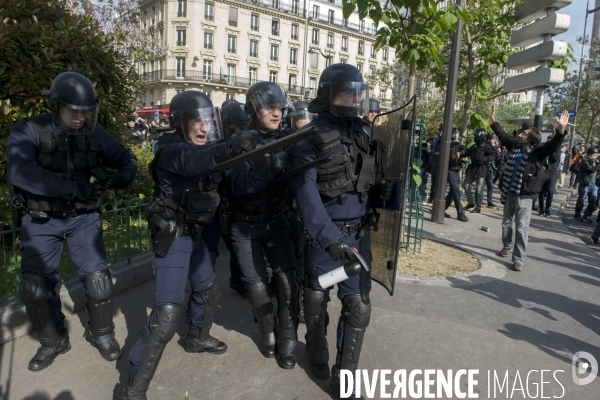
column 262, row 307
column 163, row 326
column 287, row 299
column 99, row 289
column 315, row 315
column 210, row 298
column 34, row 295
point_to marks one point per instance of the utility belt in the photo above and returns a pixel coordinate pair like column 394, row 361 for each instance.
column 191, row 230
column 362, row 227
column 46, row 215
column 259, row 217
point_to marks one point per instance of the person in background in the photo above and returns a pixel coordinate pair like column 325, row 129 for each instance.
column 561, row 171
column 574, row 166
column 547, row 194
column 492, row 171
column 586, row 178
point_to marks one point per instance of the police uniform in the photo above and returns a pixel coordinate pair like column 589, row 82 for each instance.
column 457, row 151
column 51, row 166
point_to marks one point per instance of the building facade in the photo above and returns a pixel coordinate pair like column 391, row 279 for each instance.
column 221, row 47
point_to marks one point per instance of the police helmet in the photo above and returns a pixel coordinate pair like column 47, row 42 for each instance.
column 190, row 108
column 265, row 95
column 592, row 150
column 374, row 105
column 233, row 117
column 479, row 134
column 341, row 92
column 455, row 134
column 73, row 102
column 301, row 116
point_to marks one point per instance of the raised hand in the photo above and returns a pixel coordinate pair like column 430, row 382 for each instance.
column 562, row 121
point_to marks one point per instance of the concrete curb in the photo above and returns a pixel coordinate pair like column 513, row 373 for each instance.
column 126, row 275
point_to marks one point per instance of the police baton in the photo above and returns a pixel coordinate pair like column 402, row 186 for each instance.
column 302, row 168
column 267, row 148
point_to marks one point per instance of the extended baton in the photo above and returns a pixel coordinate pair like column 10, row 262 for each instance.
column 267, row 148
column 302, row 168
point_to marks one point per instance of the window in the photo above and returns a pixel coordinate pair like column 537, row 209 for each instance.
column 143, row 68
column 231, row 74
column 180, row 36
column 359, row 66
column 254, row 22
column 294, row 56
column 252, row 73
column 231, row 44
column 273, row 76
column 295, row 31
column 209, row 11
column 208, row 39
column 315, row 36
column 207, row 70
column 229, row 96
column 293, row 85
column 180, row 68
column 373, row 52
column 145, row 18
column 275, row 27
column 182, row 8
column 328, row 61
column 344, row 43
column 254, row 48
column 314, row 60
column 151, row 97
column 275, row 3
column 330, row 40
column 343, row 61
column 295, row 6
column 312, row 85
column 179, row 90
column 274, row 52
column 385, row 53
column 233, row 14
column 362, row 25
column 316, row 12
column 331, row 16
column 208, row 93
column 361, row 48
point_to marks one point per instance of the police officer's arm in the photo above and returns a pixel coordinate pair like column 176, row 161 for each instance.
column 242, row 180
column 116, row 156
column 192, row 161
column 304, row 188
column 23, row 170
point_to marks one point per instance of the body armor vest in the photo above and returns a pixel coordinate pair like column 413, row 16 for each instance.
column 455, row 148
column 192, row 203
column 351, row 169
column 70, row 157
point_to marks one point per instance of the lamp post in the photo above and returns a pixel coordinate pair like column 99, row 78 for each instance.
column 304, row 55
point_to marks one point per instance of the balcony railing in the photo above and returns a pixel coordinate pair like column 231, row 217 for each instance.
column 285, row 6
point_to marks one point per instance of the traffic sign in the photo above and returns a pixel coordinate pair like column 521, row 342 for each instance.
column 554, row 24
column 571, row 113
column 528, row 58
column 535, row 79
column 534, row 9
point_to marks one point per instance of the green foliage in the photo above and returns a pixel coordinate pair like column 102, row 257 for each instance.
column 142, row 184
column 40, row 39
column 415, row 172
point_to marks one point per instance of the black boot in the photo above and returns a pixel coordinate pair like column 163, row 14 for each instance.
column 198, row 339
column 315, row 315
column 262, row 307
column 46, row 354
column 287, row 301
column 163, row 325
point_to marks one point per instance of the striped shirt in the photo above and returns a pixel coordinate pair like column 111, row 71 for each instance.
column 513, row 172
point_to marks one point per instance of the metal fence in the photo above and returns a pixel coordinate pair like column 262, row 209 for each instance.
column 125, row 234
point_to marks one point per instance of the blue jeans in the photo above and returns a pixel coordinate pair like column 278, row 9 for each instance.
column 489, row 182
column 547, row 194
column 590, row 191
column 517, row 213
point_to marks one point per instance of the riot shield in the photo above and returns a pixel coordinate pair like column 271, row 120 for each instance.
column 394, row 130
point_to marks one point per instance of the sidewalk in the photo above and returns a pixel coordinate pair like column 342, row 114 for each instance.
column 530, row 320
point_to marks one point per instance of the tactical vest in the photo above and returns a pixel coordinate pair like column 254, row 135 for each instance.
column 351, row 169
column 194, row 203
column 70, row 157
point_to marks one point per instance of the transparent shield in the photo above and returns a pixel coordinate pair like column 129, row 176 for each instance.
column 301, row 118
column 349, row 99
column 202, row 126
column 270, row 98
column 75, row 120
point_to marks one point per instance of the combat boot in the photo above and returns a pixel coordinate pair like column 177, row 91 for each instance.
column 45, row 355
column 199, row 341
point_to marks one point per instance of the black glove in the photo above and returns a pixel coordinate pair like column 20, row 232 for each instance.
column 279, row 162
column 244, row 141
column 340, row 250
column 88, row 192
column 115, row 181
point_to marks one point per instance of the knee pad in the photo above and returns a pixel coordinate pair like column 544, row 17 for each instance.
column 358, row 310
column 98, row 285
column 33, row 290
column 164, row 321
column 315, row 301
column 262, row 307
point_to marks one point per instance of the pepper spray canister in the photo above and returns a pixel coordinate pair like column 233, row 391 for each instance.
column 348, row 270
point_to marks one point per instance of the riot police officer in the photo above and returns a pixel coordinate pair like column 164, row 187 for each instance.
column 53, row 161
column 300, row 116
column 233, row 117
column 260, row 227
column 457, row 158
column 334, row 201
column 374, row 110
column 185, row 198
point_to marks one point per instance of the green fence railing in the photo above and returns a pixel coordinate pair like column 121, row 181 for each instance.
column 125, row 235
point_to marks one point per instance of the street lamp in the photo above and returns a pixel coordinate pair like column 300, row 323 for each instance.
column 327, row 56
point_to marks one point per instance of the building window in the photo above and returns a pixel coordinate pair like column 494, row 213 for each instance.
column 143, row 68
column 273, row 76
column 312, row 85
column 343, row 61
column 275, row 27
column 294, row 56
column 359, row 66
column 254, row 22
column 362, row 25
column 252, row 73
column 180, row 36
column 316, row 12
column 274, row 52
column 254, row 48
column 179, row 90
column 182, row 8
column 344, row 43
column 208, row 39
column 231, row 74
column 209, row 11
column 208, row 93
column 373, row 52
column 315, row 36
column 275, row 3
column 314, row 60
column 151, row 97
column 295, row 6
column 385, row 53
column 295, row 31
column 180, row 68
column 229, row 96
column 331, row 16
column 361, row 48
column 328, row 61
column 231, row 44
column 330, row 40
column 233, row 14
column 293, row 85
column 207, row 70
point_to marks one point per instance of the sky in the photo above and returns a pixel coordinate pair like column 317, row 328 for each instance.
column 577, row 12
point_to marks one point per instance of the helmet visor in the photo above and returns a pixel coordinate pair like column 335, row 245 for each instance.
column 270, row 98
column 202, row 126
column 75, row 120
column 350, row 99
column 301, row 118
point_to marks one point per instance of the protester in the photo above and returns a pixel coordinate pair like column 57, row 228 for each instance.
column 586, row 177
column 547, row 193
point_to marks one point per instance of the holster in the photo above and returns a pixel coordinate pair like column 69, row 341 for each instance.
column 164, row 233
column 225, row 218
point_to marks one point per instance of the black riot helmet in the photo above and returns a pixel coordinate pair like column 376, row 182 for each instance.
column 455, row 134
column 479, row 134
column 263, row 98
column 233, row 117
column 374, row 105
column 73, row 102
column 193, row 113
column 301, row 116
column 341, row 92
column 592, row 150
